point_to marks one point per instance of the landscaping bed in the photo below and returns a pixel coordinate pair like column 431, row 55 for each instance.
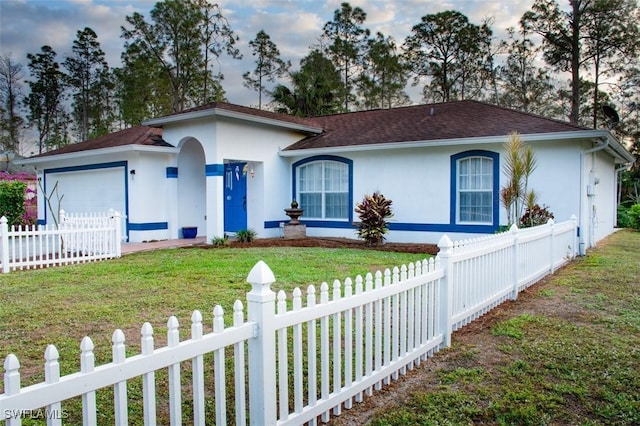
column 418, row 248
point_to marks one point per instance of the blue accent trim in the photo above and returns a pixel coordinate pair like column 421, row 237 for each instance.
column 327, row 224
column 270, row 224
column 214, row 169
column 87, row 167
column 152, row 226
column 454, row 192
column 349, row 163
column 310, row 223
column 393, row 226
column 442, row 227
column 172, row 172
column 96, row 166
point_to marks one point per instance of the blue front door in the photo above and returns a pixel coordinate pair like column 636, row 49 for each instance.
column 235, row 197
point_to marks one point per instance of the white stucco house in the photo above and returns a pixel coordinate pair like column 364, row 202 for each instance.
column 224, row 167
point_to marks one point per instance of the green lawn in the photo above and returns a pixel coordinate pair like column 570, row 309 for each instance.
column 62, row 305
column 568, row 355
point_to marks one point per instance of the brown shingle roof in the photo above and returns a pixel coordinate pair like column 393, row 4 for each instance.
column 451, row 120
column 138, row 135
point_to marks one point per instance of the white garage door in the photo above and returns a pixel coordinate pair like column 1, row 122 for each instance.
column 93, row 190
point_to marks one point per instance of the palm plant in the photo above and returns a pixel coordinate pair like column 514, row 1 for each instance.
column 520, row 162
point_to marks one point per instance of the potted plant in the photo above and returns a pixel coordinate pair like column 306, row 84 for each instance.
column 189, row 231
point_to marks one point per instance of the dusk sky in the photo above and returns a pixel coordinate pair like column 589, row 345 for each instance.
column 293, row 25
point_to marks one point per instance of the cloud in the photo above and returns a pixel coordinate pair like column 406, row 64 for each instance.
column 293, row 25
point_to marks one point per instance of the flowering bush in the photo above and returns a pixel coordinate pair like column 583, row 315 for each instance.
column 18, row 201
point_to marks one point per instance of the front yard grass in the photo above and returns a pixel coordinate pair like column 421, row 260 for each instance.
column 62, row 305
column 567, row 355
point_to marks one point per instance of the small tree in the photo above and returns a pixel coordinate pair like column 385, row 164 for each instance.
column 520, row 162
column 373, row 211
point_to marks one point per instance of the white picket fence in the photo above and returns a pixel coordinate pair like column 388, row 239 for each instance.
column 77, row 238
column 302, row 360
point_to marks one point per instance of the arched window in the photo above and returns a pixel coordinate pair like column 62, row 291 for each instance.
column 322, row 188
column 475, row 188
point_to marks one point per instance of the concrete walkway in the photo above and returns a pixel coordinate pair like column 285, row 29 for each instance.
column 137, row 247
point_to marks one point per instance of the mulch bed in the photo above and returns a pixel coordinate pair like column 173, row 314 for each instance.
column 329, row 243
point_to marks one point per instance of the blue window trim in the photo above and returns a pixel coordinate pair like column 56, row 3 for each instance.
column 454, row 192
column 325, row 223
column 97, row 166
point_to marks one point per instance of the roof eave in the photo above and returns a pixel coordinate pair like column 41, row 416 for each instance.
column 618, row 149
column 220, row 112
column 99, row 151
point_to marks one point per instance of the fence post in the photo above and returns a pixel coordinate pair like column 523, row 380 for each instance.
column 117, row 241
column 515, row 233
column 574, row 242
column 12, row 385
column 446, row 301
column 551, row 224
column 4, row 249
column 262, row 348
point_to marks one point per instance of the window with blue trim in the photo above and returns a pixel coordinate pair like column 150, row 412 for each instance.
column 323, row 189
column 475, row 190
column 475, row 184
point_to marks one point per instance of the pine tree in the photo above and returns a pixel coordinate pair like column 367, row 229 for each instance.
column 269, row 65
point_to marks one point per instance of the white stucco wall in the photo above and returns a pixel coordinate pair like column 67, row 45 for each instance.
column 601, row 205
column 268, row 189
column 417, row 180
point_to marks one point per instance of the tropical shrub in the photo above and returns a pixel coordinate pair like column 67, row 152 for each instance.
column 535, row 215
column 634, row 216
column 373, row 211
column 624, row 220
column 28, row 215
column 519, row 163
column 220, row 241
column 246, row 235
column 12, row 196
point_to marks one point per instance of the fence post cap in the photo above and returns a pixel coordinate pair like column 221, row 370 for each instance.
column 261, row 274
column 3, row 219
column 11, row 363
column 445, row 242
column 514, row 228
column 261, row 277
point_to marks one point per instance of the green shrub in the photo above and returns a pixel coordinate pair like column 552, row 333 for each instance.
column 220, row 241
column 634, row 216
column 246, row 235
column 624, row 221
column 535, row 216
column 12, row 198
column 373, row 211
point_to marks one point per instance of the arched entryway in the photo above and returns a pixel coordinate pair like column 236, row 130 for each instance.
column 192, row 193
